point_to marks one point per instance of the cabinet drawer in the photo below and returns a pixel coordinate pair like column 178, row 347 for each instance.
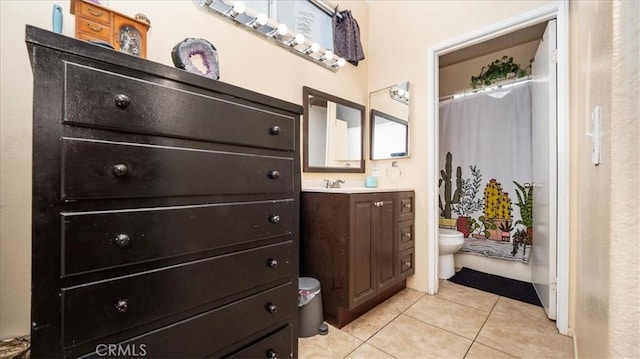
column 102, row 99
column 93, row 13
column 95, row 310
column 99, row 240
column 95, row 29
column 406, row 232
column 406, row 202
column 104, row 169
column 407, row 262
column 210, row 332
column 277, row 345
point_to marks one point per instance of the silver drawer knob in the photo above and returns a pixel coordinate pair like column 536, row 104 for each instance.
column 274, row 174
column 407, row 264
column 122, row 101
column 407, row 234
column 122, row 240
column 274, row 218
column 272, row 263
column 271, row 308
column 122, row 305
column 120, row 169
column 275, row 130
column 407, row 205
column 272, row 354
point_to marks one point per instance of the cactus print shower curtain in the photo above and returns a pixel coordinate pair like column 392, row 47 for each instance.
column 485, row 162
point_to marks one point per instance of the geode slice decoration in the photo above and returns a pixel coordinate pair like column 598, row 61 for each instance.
column 198, row 56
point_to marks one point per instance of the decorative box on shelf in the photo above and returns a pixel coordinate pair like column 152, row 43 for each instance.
column 124, row 33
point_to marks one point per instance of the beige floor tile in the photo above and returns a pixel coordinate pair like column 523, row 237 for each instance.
column 372, row 321
column 468, row 296
column 523, row 330
column 336, row 344
column 479, row 351
column 456, row 318
column 406, row 337
column 403, row 299
column 366, row 351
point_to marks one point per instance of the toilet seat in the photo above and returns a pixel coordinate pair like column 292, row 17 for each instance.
column 449, row 234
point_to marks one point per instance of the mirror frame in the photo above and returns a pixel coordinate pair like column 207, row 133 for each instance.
column 306, row 92
column 372, row 118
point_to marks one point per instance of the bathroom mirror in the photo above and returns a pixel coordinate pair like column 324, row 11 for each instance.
column 389, row 120
column 332, row 133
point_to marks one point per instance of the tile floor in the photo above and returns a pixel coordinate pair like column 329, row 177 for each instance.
column 458, row 322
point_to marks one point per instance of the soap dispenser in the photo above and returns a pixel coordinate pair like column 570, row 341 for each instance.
column 372, row 180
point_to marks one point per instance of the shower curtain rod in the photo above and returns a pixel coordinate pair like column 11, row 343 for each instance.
column 469, row 92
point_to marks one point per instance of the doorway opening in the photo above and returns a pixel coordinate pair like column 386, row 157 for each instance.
column 558, row 264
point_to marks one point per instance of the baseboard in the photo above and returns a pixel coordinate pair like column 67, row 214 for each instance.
column 572, row 334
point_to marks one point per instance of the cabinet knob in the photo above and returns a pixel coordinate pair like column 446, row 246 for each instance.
column 272, row 354
column 271, row 308
column 272, row 263
column 122, row 101
column 407, row 264
column 407, row 205
column 379, row 204
column 274, row 218
column 120, row 169
column 122, row 305
column 122, row 240
column 407, row 234
column 275, row 130
column 274, row 174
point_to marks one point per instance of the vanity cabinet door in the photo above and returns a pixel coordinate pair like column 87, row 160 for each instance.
column 373, row 248
column 362, row 250
column 384, row 243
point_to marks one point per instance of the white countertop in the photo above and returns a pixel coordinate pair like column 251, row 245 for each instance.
column 348, row 187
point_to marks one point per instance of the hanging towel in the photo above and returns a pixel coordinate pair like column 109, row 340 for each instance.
column 346, row 37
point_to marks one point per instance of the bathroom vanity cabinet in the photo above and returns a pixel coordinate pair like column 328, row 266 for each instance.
column 165, row 210
column 359, row 246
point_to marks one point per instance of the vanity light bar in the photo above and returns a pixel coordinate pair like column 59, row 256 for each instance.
column 239, row 13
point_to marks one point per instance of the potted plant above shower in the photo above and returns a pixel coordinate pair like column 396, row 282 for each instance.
column 468, row 203
column 499, row 69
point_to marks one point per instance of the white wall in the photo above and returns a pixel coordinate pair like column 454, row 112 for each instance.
column 245, row 59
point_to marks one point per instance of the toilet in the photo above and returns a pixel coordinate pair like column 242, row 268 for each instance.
column 449, row 242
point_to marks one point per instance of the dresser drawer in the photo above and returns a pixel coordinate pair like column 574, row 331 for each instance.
column 100, row 240
column 213, row 331
column 95, row 29
column 277, row 345
column 102, row 99
column 95, row 310
column 406, row 233
column 105, row 169
column 92, row 13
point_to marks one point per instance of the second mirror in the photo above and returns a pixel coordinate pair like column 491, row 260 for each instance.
column 389, row 120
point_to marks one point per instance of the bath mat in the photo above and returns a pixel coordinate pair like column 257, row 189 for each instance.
column 502, row 286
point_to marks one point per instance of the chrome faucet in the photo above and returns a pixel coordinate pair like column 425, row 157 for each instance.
column 331, row 184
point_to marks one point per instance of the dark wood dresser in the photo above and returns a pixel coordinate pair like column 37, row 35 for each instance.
column 165, row 210
column 360, row 246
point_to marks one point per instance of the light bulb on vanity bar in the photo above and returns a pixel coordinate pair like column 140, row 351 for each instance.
column 328, row 55
column 339, row 63
column 238, row 8
column 280, row 31
column 260, row 20
column 297, row 40
column 312, row 49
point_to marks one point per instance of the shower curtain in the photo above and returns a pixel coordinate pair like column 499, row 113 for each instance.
column 485, row 146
